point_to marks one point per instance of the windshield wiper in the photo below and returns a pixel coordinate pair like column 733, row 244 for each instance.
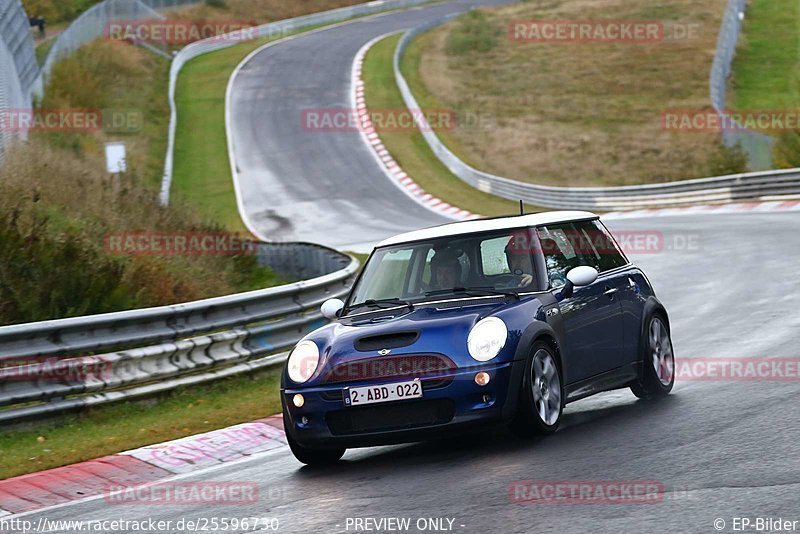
column 379, row 303
column 473, row 291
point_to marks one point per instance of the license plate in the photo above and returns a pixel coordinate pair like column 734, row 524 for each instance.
column 383, row 393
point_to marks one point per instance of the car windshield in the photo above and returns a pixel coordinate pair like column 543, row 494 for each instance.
column 479, row 264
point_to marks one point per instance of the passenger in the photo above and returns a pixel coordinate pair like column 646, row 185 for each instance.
column 518, row 257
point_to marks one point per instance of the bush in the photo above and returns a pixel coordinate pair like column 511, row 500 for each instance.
column 55, row 11
column 728, row 160
column 787, row 150
column 474, row 33
column 55, row 211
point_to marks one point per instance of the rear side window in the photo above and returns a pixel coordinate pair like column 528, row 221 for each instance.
column 569, row 245
column 563, row 249
column 607, row 252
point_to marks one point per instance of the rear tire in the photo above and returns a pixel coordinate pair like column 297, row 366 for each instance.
column 541, row 400
column 657, row 376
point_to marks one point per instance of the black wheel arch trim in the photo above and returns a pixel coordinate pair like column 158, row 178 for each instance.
column 651, row 307
column 537, row 330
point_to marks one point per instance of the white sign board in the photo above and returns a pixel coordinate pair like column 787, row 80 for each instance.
column 115, row 158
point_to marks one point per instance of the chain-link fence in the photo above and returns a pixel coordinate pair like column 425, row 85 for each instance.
column 15, row 32
column 757, row 146
column 10, row 96
column 93, row 23
column 18, row 68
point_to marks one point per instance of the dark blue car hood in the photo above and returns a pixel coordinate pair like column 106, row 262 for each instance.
column 441, row 330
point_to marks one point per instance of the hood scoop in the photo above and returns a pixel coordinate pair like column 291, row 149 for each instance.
column 392, row 340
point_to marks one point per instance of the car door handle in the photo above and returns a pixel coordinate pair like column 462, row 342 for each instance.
column 610, row 291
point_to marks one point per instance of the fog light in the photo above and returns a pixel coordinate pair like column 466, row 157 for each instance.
column 482, row 378
column 298, row 400
column 304, row 420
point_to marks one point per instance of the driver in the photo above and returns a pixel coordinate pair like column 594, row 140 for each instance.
column 446, row 272
column 519, row 261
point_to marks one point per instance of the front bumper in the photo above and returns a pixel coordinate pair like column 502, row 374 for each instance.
column 451, row 401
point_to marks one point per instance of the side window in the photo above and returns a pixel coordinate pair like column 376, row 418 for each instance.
column 564, row 248
column 606, row 247
column 493, row 256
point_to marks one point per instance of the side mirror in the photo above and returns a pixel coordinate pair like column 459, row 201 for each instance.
column 582, row 276
column 578, row 277
column 331, row 308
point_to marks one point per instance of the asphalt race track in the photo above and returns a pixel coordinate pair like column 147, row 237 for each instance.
column 304, row 185
column 720, row 448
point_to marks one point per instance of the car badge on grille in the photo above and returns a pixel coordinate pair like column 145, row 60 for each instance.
column 384, row 352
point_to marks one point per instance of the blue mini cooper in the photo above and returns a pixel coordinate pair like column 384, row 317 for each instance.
column 490, row 320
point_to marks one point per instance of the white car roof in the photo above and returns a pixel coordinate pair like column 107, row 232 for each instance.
column 487, row 225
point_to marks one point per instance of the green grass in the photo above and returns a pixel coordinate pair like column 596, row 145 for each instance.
column 43, row 49
column 202, row 174
column 766, row 71
column 115, row 428
column 409, row 148
column 569, row 114
column 57, row 11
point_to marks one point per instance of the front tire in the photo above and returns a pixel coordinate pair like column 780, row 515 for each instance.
column 657, row 376
column 541, row 400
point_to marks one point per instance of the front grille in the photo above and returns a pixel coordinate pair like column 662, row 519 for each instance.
column 407, row 365
column 393, row 416
column 427, row 385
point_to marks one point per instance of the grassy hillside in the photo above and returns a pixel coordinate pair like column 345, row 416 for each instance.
column 57, row 204
column 574, row 113
column 766, row 70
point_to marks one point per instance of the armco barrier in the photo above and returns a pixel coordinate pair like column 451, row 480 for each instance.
column 273, row 29
column 766, row 185
column 141, row 352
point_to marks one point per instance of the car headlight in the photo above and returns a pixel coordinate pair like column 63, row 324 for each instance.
column 487, row 338
column 303, row 361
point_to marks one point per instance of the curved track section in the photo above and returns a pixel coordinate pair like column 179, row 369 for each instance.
column 720, row 448
column 301, row 184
